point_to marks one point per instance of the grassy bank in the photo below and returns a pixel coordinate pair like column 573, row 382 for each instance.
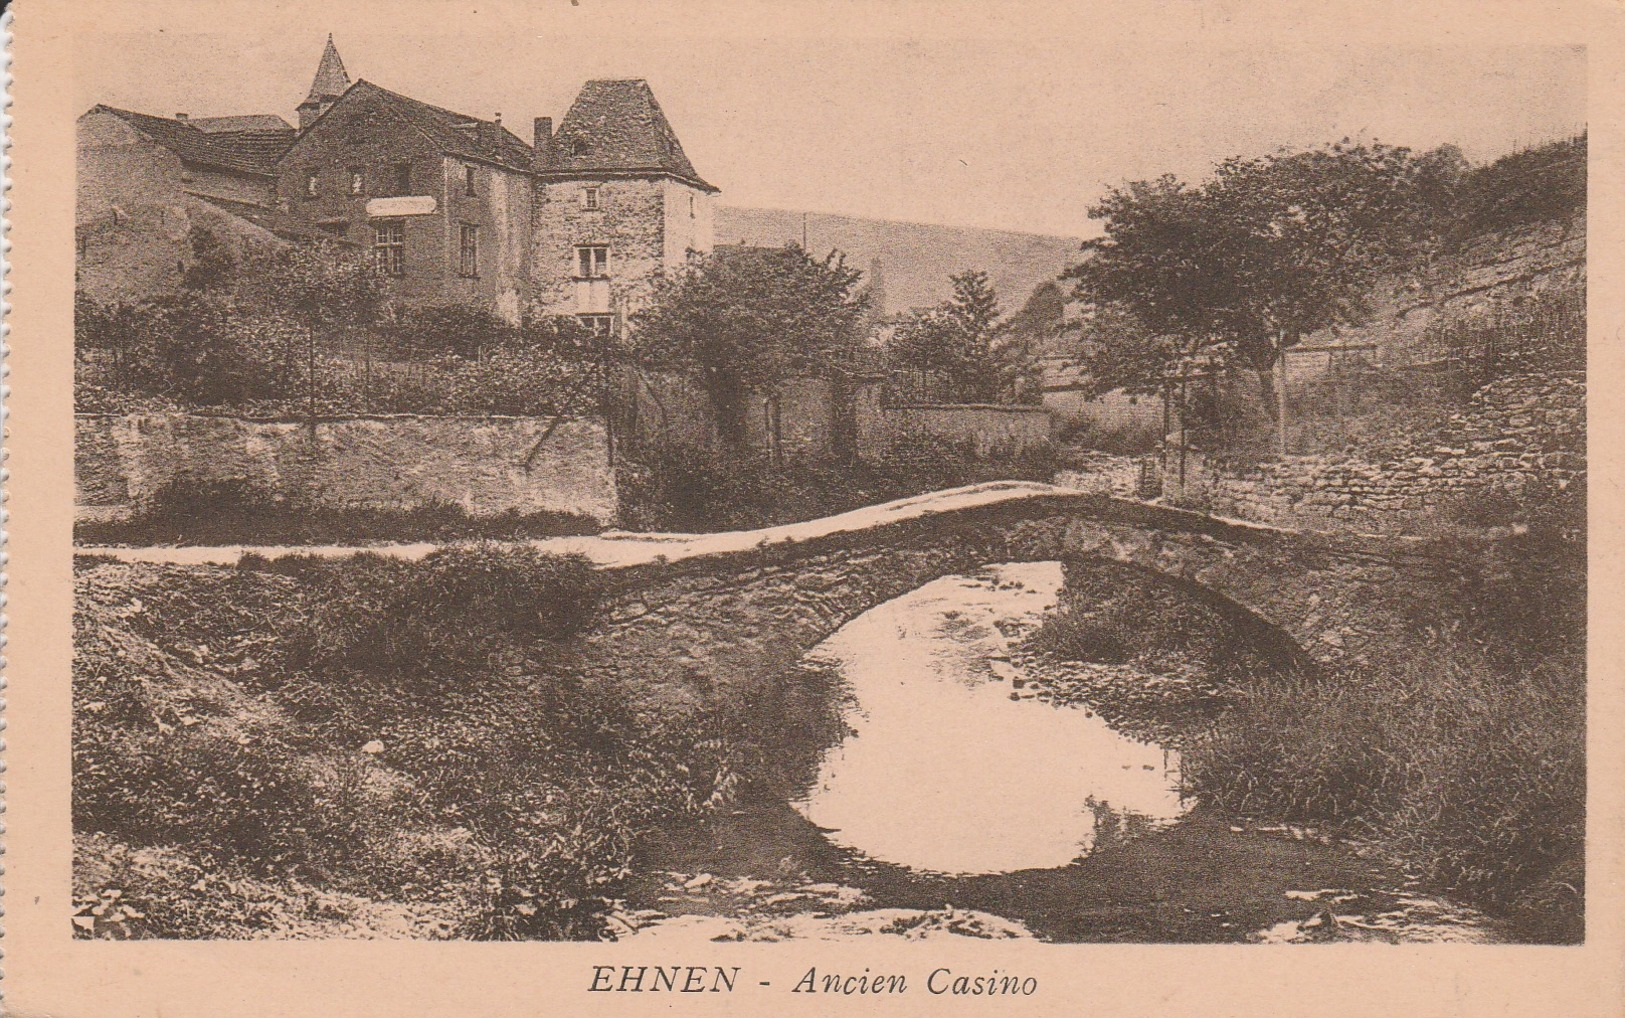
column 1471, row 775
column 1461, row 757
column 368, row 747
column 235, row 513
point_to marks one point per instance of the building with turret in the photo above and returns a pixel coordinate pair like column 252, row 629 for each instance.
column 448, row 207
column 617, row 203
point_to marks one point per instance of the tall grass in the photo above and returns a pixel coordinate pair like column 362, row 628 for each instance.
column 1471, row 772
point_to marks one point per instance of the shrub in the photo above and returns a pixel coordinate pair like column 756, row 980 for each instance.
column 200, row 348
column 1473, row 773
column 463, row 330
column 1544, row 184
column 506, row 791
column 1133, row 438
column 691, row 488
column 1082, row 638
column 519, row 383
column 245, row 348
column 451, row 613
column 200, row 790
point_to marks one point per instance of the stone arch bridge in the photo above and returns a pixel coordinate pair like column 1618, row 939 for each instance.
column 693, row 612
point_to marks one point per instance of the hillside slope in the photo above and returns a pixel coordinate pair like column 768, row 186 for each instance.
column 916, row 258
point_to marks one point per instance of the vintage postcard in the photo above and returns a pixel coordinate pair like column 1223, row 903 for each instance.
column 813, row 508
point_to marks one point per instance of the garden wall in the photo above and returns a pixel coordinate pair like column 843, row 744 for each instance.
column 487, row 465
column 1516, row 430
column 1109, row 474
column 992, row 430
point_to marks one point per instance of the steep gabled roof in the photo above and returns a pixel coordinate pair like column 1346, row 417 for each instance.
column 618, row 126
column 331, row 80
column 189, row 143
column 256, row 136
column 247, row 122
column 453, row 133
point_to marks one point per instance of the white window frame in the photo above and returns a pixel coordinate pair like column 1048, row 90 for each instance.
column 389, row 248
column 589, row 199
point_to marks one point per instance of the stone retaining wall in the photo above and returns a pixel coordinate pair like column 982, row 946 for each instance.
column 1102, row 473
column 990, row 430
column 487, row 465
column 1518, row 430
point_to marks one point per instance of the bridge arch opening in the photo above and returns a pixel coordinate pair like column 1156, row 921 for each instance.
column 1237, row 637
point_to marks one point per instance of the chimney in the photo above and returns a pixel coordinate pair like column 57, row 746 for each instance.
column 180, row 116
column 498, row 119
column 542, row 154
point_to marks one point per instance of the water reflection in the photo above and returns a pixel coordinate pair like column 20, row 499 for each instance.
column 944, row 771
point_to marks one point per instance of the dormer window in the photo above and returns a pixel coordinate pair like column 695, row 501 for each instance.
column 578, row 148
column 313, row 182
column 589, row 198
column 358, row 183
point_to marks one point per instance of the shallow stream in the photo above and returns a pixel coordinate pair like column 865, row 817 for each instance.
column 962, row 801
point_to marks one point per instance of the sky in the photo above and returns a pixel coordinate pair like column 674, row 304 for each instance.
column 945, row 113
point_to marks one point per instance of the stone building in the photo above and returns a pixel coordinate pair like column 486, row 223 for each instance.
column 441, row 200
column 450, row 208
column 617, row 203
column 145, row 183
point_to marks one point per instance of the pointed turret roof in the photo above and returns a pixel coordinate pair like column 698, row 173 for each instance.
column 618, row 126
column 331, row 79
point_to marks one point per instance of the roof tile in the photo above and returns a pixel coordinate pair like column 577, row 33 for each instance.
column 617, row 125
column 191, row 144
column 457, row 133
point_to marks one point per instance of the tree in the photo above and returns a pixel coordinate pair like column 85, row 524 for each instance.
column 955, row 341
column 749, row 318
column 213, row 266
column 1025, row 338
column 1266, row 251
column 324, row 289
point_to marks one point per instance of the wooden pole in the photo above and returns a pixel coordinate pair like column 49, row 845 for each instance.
column 1184, row 435
column 1280, row 396
column 310, row 370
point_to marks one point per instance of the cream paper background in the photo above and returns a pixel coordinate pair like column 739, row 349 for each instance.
column 48, row 973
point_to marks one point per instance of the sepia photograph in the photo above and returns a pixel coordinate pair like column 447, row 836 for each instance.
column 487, row 529
column 814, row 508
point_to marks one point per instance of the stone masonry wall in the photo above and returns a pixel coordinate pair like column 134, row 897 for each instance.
column 1493, row 270
column 1517, row 430
column 630, row 219
column 487, row 465
column 991, row 430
